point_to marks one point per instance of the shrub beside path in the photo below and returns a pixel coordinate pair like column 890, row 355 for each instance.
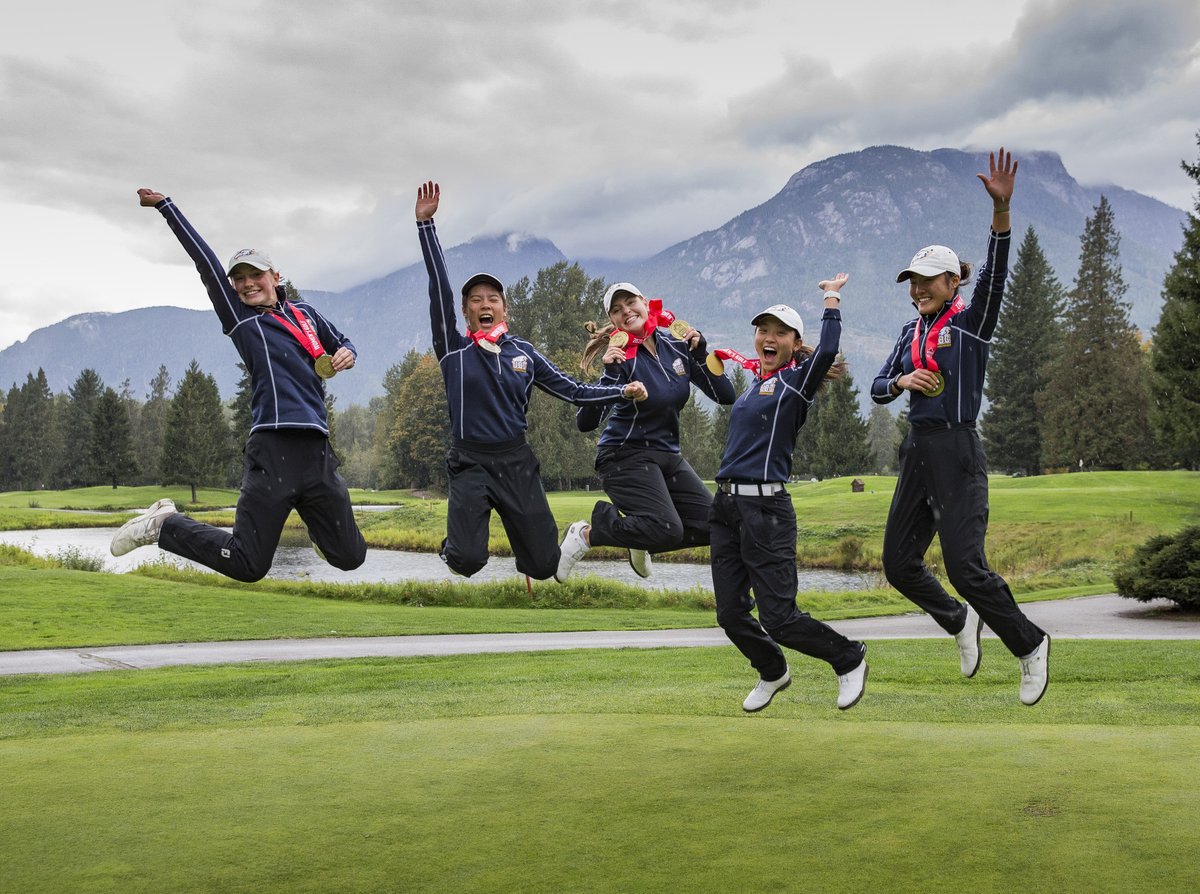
column 1087, row 617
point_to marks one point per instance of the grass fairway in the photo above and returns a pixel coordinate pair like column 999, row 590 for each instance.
column 606, row 772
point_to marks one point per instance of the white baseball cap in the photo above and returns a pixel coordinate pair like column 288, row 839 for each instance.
column 930, row 261
column 483, row 277
column 783, row 314
column 253, row 257
column 619, row 287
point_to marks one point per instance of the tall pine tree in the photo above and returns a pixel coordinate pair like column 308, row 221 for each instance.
column 839, row 436
column 1095, row 404
column 196, row 444
column 1027, row 336
column 112, row 456
column 884, row 440
column 696, row 440
column 75, row 467
column 31, row 443
column 152, row 425
column 1175, row 357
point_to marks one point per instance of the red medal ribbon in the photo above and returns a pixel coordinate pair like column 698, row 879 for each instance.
column 305, row 334
column 492, row 335
column 656, row 316
column 754, row 366
column 927, row 361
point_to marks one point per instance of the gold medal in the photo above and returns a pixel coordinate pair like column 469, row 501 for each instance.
column 324, row 367
column 938, row 387
column 715, row 365
column 619, row 338
column 490, row 346
column 680, row 329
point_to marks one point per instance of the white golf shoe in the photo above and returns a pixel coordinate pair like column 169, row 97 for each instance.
column 571, row 550
column 968, row 639
column 851, row 686
column 640, row 562
column 1035, row 673
column 142, row 530
column 760, row 696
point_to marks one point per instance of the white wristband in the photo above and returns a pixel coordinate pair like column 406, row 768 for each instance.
column 833, row 294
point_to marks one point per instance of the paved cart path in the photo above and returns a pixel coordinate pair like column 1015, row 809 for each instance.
column 1089, row 617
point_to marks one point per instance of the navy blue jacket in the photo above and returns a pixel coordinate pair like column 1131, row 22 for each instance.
column 488, row 393
column 286, row 390
column 653, row 424
column 962, row 350
column 767, row 417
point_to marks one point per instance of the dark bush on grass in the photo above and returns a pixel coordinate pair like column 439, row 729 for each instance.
column 1166, row 567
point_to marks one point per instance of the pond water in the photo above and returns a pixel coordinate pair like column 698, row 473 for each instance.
column 385, row 565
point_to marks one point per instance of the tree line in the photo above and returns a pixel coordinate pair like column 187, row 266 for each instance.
column 1072, row 385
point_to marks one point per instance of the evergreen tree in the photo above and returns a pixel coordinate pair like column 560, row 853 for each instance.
column 196, row 445
column 241, row 417
column 30, row 441
column 839, row 443
column 1095, row 404
column 151, row 425
column 112, row 455
column 1175, row 357
column 883, row 438
column 75, row 467
column 720, row 421
column 1027, row 336
column 804, row 452
column 697, row 441
column 6, row 458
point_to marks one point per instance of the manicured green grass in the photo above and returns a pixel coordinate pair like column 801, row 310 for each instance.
column 50, row 608
column 43, row 606
column 606, row 772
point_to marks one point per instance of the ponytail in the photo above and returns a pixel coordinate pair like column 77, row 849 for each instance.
column 598, row 334
column 835, row 372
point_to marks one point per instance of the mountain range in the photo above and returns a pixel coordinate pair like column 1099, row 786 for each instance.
column 864, row 212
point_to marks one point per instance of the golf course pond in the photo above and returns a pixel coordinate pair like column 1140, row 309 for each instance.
column 388, row 566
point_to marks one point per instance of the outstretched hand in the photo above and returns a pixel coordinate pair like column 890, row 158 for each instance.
column 835, row 284
column 1002, row 174
column 428, row 196
column 149, row 198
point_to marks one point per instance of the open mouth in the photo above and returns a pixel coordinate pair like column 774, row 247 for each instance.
column 485, row 319
column 769, row 353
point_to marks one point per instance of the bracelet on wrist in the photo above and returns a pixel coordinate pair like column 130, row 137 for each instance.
column 833, row 293
column 1000, row 209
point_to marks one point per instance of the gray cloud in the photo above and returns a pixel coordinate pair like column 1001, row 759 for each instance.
column 306, row 126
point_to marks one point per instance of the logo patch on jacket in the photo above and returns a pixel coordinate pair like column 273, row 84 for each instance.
column 678, row 367
column 768, row 387
column 520, row 363
column 944, row 340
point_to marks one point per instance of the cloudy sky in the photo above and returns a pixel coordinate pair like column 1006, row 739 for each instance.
column 612, row 127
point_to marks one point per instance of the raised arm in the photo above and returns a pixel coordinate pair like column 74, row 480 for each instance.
column 984, row 312
column 999, row 183
column 442, row 319
column 811, row 373
column 224, row 299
